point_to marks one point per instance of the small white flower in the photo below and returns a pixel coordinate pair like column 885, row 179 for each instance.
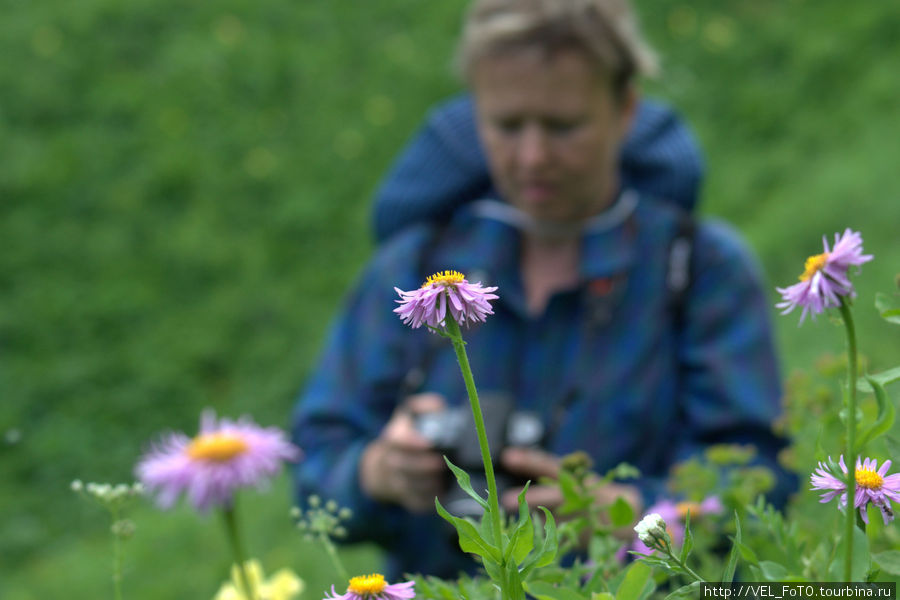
column 651, row 529
column 77, row 486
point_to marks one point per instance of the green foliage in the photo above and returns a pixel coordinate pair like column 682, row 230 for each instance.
column 723, row 471
column 884, row 420
column 888, row 307
column 184, row 192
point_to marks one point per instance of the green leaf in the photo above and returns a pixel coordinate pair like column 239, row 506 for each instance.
column 522, row 539
column 885, row 419
column 888, row 561
column 748, row 554
column 602, row 596
column 493, row 570
column 888, row 307
column 728, row 574
column 690, row 590
column 516, row 590
column 688, row 539
column 622, row 470
column 621, row 513
column 661, row 563
column 883, row 378
column 462, row 478
column 549, row 545
column 470, row 539
column 772, row 571
column 635, row 582
column 547, row 591
column 574, row 500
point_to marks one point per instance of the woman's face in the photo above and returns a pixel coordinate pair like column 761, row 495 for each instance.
column 552, row 131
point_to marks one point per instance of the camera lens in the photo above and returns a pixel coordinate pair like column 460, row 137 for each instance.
column 524, row 429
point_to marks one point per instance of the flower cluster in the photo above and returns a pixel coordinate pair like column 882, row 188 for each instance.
column 115, row 499
column 108, row 494
column 225, row 456
column 872, row 485
column 824, row 278
column 320, row 520
column 443, row 292
column 374, row 587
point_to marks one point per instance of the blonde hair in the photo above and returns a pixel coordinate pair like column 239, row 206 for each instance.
column 605, row 31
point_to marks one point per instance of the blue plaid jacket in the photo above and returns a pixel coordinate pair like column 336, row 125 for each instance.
column 607, row 364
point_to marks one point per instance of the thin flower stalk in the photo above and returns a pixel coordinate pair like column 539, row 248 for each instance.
column 114, row 498
column 459, row 346
column 237, row 548
column 825, row 283
column 850, row 517
column 444, row 302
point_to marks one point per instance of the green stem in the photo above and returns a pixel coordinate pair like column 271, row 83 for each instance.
column 117, row 557
column 237, row 549
column 493, row 500
column 689, row 570
column 335, row 559
column 850, row 517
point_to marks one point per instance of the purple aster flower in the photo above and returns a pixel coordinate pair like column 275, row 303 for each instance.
column 374, row 587
column 824, row 277
column 871, row 486
column 224, row 456
column 442, row 292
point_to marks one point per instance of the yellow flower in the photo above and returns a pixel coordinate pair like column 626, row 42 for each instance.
column 283, row 585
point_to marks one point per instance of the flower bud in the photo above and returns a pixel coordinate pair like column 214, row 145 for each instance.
column 652, row 530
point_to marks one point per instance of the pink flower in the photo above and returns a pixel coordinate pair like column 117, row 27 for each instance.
column 210, row 467
column 374, row 587
column 442, row 292
column 824, row 277
column 871, row 486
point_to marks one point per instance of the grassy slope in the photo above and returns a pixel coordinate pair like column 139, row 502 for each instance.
column 184, row 193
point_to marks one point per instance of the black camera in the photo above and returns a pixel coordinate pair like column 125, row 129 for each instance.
column 452, row 432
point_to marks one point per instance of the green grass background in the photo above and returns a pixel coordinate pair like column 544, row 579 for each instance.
column 184, row 199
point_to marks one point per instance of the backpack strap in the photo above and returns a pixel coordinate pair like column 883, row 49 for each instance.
column 678, row 269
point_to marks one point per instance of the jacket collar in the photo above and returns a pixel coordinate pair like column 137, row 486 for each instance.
column 483, row 242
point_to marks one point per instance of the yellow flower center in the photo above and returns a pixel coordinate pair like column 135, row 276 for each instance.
column 218, row 447
column 683, row 507
column 813, row 265
column 445, row 278
column 366, row 585
column 869, row 479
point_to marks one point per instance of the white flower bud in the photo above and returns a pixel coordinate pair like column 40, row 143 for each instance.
column 77, row 486
column 651, row 529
